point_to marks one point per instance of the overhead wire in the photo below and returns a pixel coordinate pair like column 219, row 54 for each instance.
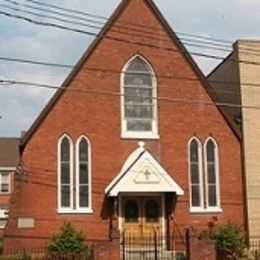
column 68, row 66
column 189, row 42
column 116, row 94
column 137, row 26
column 148, row 45
column 210, row 56
column 59, row 26
column 105, row 19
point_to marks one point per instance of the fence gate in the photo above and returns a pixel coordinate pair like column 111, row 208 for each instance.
column 152, row 247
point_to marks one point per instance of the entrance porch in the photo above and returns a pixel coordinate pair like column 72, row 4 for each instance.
column 144, row 196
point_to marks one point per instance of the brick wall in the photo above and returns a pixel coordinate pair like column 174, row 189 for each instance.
column 199, row 249
column 98, row 117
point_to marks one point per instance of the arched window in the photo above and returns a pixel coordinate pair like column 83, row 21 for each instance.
column 196, row 185
column 74, row 187
column 83, row 179
column 212, row 173
column 131, row 211
column 152, row 211
column 65, row 178
column 204, row 185
column 139, row 106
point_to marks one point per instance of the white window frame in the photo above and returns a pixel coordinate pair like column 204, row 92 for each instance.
column 89, row 208
column 199, row 208
column 153, row 134
column 3, row 216
column 9, row 183
column 216, row 208
column 204, row 207
column 60, row 208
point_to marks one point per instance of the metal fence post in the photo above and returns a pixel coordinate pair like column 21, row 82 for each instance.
column 155, row 246
column 123, row 246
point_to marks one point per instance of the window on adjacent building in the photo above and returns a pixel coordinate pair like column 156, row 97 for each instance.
column 74, row 187
column 3, row 217
column 139, row 106
column 204, row 186
column 5, row 182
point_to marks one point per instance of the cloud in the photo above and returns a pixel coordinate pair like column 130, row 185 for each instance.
column 225, row 19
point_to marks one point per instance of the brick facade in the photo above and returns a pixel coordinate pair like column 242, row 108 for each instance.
column 98, row 117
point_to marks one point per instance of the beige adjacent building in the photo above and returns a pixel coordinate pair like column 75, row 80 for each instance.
column 237, row 81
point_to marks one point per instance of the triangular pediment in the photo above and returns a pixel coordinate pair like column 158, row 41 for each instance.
column 142, row 173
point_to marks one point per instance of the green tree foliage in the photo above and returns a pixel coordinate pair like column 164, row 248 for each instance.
column 68, row 240
column 229, row 239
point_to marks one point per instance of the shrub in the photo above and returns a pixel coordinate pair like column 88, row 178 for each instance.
column 68, row 240
column 229, row 239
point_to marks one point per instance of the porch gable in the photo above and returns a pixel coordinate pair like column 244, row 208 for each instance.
column 142, row 173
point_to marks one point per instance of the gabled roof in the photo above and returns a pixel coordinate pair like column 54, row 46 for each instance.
column 141, row 172
column 9, row 152
column 94, row 44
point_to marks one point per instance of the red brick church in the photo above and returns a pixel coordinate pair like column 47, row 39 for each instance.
column 132, row 143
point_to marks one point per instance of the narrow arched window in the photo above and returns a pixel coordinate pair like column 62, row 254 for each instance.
column 196, row 186
column 65, row 184
column 139, row 106
column 212, row 173
column 83, row 181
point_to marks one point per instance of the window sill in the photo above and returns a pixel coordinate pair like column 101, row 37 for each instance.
column 139, row 135
column 205, row 211
column 5, row 193
column 75, row 211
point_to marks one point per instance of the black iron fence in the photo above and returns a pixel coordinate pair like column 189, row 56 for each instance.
column 153, row 247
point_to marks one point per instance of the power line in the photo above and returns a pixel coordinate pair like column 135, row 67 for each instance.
column 116, row 94
column 48, row 24
column 137, row 26
column 30, row 20
column 188, row 42
column 67, row 66
column 123, row 23
column 216, row 46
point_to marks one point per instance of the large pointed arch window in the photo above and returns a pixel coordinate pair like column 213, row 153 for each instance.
column 139, row 106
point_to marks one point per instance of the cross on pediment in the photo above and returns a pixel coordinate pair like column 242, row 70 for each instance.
column 147, row 174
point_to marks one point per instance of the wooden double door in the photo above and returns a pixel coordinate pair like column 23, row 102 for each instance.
column 142, row 216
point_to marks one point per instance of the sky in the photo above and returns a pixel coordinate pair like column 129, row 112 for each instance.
column 20, row 105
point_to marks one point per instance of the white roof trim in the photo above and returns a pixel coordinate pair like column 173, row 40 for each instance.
column 7, row 168
column 142, row 173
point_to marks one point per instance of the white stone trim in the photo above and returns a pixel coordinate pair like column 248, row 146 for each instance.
column 89, row 208
column 126, row 180
column 206, row 210
column 130, row 160
column 139, row 134
column 7, row 169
